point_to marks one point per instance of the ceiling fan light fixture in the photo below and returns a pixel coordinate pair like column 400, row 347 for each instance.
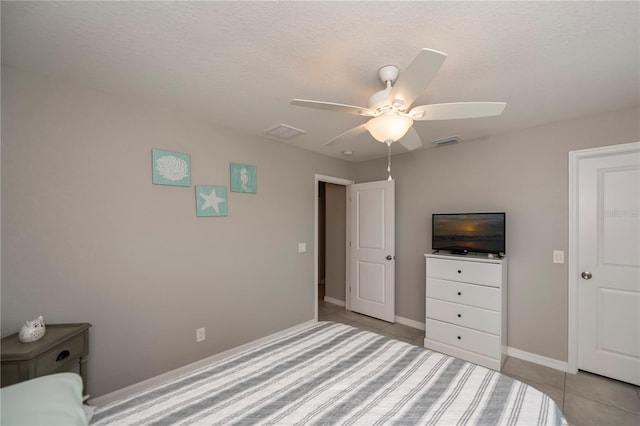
column 389, row 127
column 390, row 110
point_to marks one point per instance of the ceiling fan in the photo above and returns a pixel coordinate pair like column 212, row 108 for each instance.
column 389, row 109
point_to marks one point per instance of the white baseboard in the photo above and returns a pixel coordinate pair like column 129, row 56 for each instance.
column 169, row 375
column 334, row 301
column 410, row 323
column 538, row 359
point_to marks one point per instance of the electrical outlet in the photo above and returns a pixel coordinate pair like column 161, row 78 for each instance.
column 200, row 335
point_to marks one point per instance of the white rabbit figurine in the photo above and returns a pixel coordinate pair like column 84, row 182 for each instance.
column 32, row 330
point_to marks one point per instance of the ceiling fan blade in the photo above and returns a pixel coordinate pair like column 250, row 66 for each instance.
column 411, row 140
column 457, row 110
column 331, row 106
column 416, row 77
column 349, row 133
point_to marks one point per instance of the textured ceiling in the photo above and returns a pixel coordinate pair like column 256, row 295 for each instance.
column 237, row 64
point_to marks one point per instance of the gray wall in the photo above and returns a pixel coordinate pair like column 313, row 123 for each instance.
column 336, row 235
column 524, row 174
column 86, row 237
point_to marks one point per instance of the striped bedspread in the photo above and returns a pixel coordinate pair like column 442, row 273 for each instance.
column 331, row 374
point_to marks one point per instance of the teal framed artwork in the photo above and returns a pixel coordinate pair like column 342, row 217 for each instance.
column 211, row 201
column 170, row 168
column 243, row 178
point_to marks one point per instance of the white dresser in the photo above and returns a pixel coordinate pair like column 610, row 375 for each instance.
column 466, row 308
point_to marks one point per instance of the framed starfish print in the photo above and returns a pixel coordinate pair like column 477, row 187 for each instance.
column 211, row 201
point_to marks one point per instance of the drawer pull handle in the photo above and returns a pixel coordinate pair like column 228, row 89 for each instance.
column 62, row 355
column 459, row 271
column 459, row 293
column 459, row 338
column 459, row 315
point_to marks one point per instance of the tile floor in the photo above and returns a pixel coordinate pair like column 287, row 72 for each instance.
column 585, row 399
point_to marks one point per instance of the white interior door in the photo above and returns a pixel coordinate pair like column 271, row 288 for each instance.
column 372, row 227
column 608, row 262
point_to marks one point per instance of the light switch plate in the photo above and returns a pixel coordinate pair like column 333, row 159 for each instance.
column 302, row 247
column 558, row 256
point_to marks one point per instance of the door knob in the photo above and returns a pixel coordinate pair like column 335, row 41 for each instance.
column 389, row 257
column 586, row 275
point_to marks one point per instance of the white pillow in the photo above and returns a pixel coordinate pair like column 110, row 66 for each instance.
column 48, row 400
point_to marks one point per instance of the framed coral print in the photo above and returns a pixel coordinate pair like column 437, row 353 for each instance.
column 211, row 201
column 170, row 168
column 243, row 178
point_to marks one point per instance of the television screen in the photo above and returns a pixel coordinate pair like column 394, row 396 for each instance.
column 469, row 232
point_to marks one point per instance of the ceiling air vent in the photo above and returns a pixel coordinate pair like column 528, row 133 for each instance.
column 284, row 132
column 450, row 139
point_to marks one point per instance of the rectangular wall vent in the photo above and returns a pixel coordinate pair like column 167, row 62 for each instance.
column 284, row 132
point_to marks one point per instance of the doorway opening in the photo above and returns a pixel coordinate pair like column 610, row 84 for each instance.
column 332, row 250
column 331, row 229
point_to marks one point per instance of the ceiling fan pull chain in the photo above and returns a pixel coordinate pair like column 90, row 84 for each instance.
column 389, row 159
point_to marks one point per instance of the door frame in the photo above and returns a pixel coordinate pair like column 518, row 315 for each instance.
column 347, row 184
column 574, row 160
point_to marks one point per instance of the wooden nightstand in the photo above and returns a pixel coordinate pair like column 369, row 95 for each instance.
column 61, row 346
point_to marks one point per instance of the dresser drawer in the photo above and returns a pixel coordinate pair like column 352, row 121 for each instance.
column 467, row 294
column 56, row 358
column 463, row 315
column 464, row 338
column 485, row 273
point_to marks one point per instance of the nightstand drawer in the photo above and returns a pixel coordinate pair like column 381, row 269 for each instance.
column 58, row 357
column 462, row 337
column 466, row 316
column 468, row 294
column 484, row 273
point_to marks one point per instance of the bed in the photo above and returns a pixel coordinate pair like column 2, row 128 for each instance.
column 329, row 374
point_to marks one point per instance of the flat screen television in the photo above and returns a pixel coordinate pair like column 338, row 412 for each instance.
column 461, row 233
